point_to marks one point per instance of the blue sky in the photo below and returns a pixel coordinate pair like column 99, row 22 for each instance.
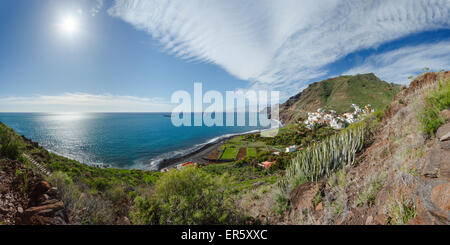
column 131, row 55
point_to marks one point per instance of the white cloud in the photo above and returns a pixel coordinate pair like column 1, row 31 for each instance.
column 397, row 65
column 281, row 43
column 81, row 102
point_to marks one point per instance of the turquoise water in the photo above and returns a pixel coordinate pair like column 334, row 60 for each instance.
column 122, row 140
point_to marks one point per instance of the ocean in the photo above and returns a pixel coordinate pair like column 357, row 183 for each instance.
column 120, row 140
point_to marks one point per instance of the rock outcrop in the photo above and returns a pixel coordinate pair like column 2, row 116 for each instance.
column 27, row 199
column 302, row 196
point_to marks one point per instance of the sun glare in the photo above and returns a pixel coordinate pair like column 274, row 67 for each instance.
column 69, row 25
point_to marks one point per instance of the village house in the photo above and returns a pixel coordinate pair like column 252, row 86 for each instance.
column 267, row 164
column 292, row 148
column 321, row 117
column 182, row 165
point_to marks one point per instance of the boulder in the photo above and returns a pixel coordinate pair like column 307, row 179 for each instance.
column 443, row 133
column 41, row 188
column 54, row 207
column 302, row 196
column 440, row 196
column 437, row 164
column 433, row 201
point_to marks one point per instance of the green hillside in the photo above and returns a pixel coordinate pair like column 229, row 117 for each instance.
column 338, row 94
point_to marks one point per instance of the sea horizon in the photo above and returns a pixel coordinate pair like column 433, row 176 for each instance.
column 104, row 139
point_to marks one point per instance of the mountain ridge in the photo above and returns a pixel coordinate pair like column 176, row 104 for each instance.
column 338, row 94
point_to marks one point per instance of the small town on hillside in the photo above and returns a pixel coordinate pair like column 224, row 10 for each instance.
column 321, row 117
column 316, row 119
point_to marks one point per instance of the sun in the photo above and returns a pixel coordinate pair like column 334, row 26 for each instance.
column 69, row 25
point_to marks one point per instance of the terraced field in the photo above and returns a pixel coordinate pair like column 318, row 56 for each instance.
column 251, row 152
column 230, row 153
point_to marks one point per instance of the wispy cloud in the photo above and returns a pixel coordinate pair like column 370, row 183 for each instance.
column 397, row 65
column 97, row 7
column 282, row 43
column 82, row 102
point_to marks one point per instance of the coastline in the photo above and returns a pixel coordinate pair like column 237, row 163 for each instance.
column 198, row 154
column 194, row 153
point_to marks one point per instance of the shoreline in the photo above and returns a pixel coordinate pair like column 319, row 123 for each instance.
column 194, row 155
column 197, row 155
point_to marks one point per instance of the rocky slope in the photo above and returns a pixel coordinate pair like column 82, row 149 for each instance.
column 338, row 94
column 26, row 198
column 401, row 176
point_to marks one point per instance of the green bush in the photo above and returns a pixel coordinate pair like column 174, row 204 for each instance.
column 379, row 114
column 436, row 101
column 190, row 196
column 11, row 150
column 83, row 208
column 282, row 204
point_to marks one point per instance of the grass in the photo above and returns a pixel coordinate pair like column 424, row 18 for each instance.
column 401, row 212
column 251, row 152
column 370, row 190
column 282, row 204
column 436, row 100
column 230, row 153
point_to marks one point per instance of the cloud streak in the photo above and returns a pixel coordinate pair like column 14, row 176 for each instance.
column 397, row 65
column 82, row 102
column 283, row 43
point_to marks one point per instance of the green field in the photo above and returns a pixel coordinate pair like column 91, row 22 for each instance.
column 251, row 152
column 230, row 153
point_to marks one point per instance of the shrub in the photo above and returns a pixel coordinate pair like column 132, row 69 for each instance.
column 11, row 150
column 100, row 184
column 379, row 114
column 370, row 191
column 23, row 179
column 82, row 208
column 401, row 212
column 190, row 196
column 282, row 204
column 436, row 101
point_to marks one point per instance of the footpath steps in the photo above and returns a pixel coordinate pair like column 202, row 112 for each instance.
column 39, row 166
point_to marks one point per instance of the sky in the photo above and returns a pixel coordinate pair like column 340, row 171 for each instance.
column 132, row 55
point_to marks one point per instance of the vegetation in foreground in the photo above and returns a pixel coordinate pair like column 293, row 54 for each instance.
column 190, row 196
column 438, row 99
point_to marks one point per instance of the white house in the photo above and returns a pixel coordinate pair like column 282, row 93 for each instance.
column 292, row 148
column 336, row 124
